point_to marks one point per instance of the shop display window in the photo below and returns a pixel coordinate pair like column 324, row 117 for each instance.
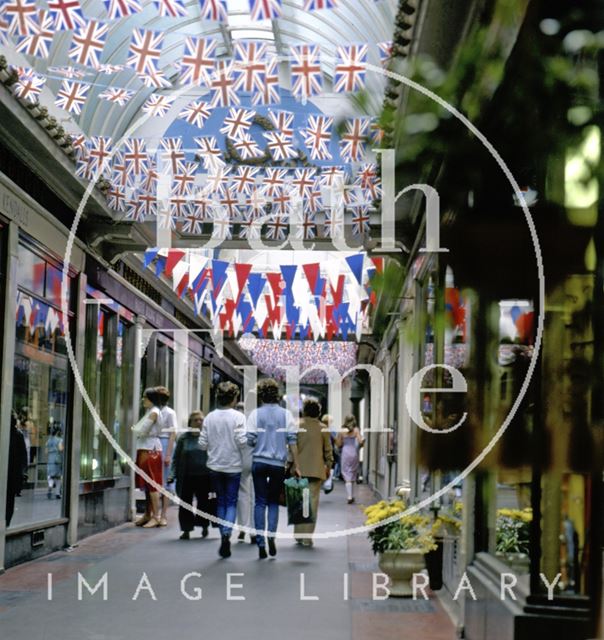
column 42, row 394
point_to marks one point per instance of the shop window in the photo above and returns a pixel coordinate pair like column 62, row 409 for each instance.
column 41, row 389
column 107, row 377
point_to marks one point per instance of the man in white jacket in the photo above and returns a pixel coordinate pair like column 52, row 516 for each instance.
column 224, row 437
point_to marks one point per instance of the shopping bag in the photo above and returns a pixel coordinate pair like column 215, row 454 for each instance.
column 327, row 485
column 297, row 497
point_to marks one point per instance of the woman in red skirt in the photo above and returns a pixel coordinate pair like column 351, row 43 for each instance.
column 149, row 458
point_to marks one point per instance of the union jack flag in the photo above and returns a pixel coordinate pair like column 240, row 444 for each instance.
column 120, row 175
column 376, row 132
column 145, row 49
column 21, row 17
column 67, row 72
column 332, row 175
column 306, row 226
column 283, row 121
column 237, row 122
column 72, row 96
column 229, row 203
column 314, row 199
column 280, row 146
column 116, row 94
column 39, row 41
column 265, row 9
column 173, row 153
column 158, row 105
column 360, row 221
column 223, row 85
column 281, row 201
column 122, row 8
column 317, row 136
column 78, row 142
column 250, row 65
column 333, row 225
column 109, row 69
column 192, row 223
column 209, row 152
column 148, row 203
column 116, row 198
column 203, row 204
column 352, row 141
column 155, row 78
column 316, row 5
column 4, row 27
column 197, row 61
column 350, row 68
column 277, row 227
column 245, row 179
column 246, row 146
column 218, row 181
column 67, row 14
column 257, row 201
column 88, row 43
column 179, row 208
column 274, row 180
column 196, row 113
column 269, row 92
column 385, row 51
column 29, row 86
column 171, row 8
column 134, row 210
column 304, row 181
column 99, row 151
column 215, row 10
column 150, row 177
column 307, row 79
column 249, row 227
column 222, row 225
column 135, row 155
column 183, row 180
column 367, row 178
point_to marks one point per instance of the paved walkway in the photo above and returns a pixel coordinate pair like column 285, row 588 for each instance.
column 272, row 609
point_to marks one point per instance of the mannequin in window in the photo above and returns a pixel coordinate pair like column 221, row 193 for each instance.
column 17, row 467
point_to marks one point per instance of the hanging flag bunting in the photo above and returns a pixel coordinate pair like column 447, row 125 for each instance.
column 305, row 67
column 355, row 263
column 87, row 44
column 21, row 17
column 145, row 50
column 250, row 65
column 67, row 14
column 268, row 93
column 243, row 271
column 122, row 8
column 317, row 136
column 38, row 43
column 197, row 61
column 171, row 8
column 29, row 86
column 116, row 94
column 196, row 113
column 223, row 85
column 215, row 10
column 219, row 269
column 237, row 122
column 72, row 96
column 265, row 9
column 255, row 286
column 158, row 106
column 350, row 68
column 352, row 142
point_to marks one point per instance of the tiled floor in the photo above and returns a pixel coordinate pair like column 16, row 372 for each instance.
column 273, row 605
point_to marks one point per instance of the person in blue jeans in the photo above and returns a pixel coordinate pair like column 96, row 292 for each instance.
column 224, row 436
column 271, row 430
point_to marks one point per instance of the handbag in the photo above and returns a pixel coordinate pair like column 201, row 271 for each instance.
column 327, row 485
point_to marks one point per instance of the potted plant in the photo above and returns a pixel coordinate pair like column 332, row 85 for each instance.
column 400, row 544
column 513, row 537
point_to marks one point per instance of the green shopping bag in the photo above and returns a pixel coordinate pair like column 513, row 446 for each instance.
column 297, row 499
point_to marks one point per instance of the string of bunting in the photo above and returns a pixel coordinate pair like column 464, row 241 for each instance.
column 309, row 301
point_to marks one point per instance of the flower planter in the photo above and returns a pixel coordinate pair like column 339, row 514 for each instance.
column 400, row 566
column 519, row 563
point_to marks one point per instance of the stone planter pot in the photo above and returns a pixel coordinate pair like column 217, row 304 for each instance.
column 400, row 566
column 519, row 563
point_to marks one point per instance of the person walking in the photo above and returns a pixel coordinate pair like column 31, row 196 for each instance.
column 245, row 499
column 149, row 458
column 271, row 430
column 167, row 436
column 54, row 462
column 315, row 459
column 349, row 442
column 189, row 466
column 223, row 436
column 17, row 467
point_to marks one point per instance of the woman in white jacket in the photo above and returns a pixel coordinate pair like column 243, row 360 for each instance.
column 149, row 458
